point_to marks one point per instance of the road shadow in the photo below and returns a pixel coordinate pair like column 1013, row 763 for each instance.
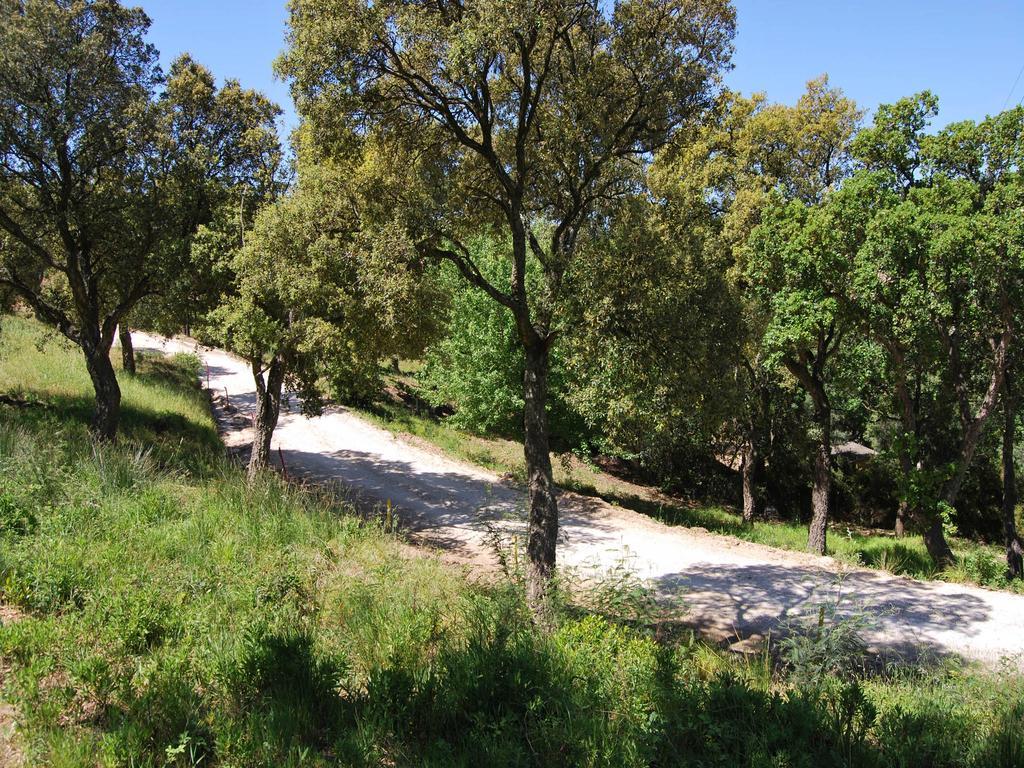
column 470, row 510
column 461, row 513
column 762, row 598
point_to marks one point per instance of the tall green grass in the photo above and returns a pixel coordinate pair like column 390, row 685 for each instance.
column 172, row 615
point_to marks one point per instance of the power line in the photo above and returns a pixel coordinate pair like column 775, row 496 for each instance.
column 1014, row 87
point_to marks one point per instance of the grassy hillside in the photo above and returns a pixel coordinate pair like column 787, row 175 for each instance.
column 162, row 613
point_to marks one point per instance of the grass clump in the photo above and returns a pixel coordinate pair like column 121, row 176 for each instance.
column 173, row 615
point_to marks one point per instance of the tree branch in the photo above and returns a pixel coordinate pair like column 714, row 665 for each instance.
column 472, row 273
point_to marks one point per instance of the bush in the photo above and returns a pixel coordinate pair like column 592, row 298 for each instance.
column 477, row 367
column 824, row 644
column 981, row 568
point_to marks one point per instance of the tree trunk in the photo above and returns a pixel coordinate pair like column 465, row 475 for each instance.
column 124, row 334
column 936, row 544
column 1014, row 546
column 900, row 529
column 972, row 426
column 908, row 420
column 268, row 408
column 903, row 510
column 751, row 498
column 808, row 371
column 821, row 492
column 543, row 527
column 107, row 415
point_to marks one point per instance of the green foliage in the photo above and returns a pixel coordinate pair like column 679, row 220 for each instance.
column 848, row 542
column 477, row 367
column 799, row 267
column 104, row 182
column 618, row 594
column 825, row 643
column 225, row 163
column 79, row 198
column 936, row 273
column 15, row 519
column 537, row 121
column 979, row 567
column 651, row 343
column 322, row 297
column 893, row 143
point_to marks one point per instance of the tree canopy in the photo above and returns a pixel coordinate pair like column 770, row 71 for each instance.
column 317, row 302
column 525, row 116
column 79, row 194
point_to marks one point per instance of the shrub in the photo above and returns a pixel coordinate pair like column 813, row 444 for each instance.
column 14, row 518
column 824, row 643
column 981, row 568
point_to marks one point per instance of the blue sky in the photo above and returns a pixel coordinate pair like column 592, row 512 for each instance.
column 968, row 52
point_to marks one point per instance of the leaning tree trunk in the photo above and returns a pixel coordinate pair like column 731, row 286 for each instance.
column 124, row 335
column 543, row 524
column 268, row 408
column 973, row 426
column 752, row 507
column 821, row 492
column 1014, row 546
column 935, row 542
column 107, row 414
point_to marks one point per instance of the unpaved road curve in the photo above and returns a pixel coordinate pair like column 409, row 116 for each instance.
column 730, row 587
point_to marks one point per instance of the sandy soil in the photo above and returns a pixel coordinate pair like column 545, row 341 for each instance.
column 730, row 587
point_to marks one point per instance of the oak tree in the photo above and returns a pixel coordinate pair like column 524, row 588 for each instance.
column 766, row 164
column 316, row 302
column 79, row 198
column 526, row 115
column 937, row 286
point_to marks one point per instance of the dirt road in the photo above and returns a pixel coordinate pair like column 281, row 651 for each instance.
column 730, row 587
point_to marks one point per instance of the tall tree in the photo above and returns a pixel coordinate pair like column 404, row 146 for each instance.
column 757, row 157
column 223, row 161
column 78, row 168
column 1011, row 537
column 649, row 347
column 807, row 154
column 714, row 184
column 937, row 284
column 801, row 269
column 317, row 303
column 530, row 116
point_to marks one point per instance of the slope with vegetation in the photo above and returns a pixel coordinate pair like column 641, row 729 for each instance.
column 171, row 613
column 596, row 247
